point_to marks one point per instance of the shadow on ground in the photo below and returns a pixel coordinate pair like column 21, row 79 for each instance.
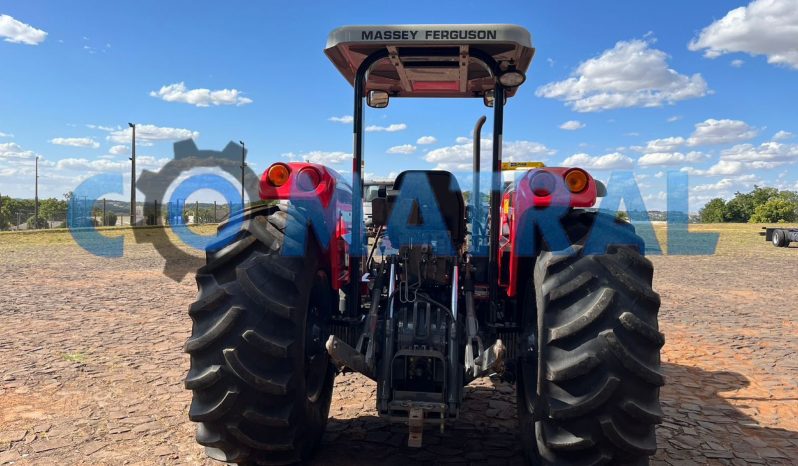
column 701, row 427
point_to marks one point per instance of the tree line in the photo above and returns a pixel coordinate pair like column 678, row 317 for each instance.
column 762, row 205
column 16, row 213
column 21, row 211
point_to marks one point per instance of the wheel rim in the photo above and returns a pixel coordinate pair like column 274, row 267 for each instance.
column 776, row 240
column 316, row 358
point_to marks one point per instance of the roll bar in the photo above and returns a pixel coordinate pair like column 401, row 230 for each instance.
column 357, row 250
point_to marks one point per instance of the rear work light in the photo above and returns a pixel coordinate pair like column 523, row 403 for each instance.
column 308, row 179
column 278, row 174
column 542, row 184
column 576, row 180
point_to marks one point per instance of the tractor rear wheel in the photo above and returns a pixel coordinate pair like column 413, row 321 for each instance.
column 588, row 390
column 260, row 376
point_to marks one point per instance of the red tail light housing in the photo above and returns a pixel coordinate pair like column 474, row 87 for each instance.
column 278, row 174
column 308, row 179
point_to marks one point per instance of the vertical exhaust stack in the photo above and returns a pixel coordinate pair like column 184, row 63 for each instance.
column 475, row 212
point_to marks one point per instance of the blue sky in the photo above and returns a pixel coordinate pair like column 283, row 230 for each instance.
column 704, row 87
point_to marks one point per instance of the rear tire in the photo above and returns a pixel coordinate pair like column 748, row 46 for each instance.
column 260, row 376
column 780, row 239
column 588, row 391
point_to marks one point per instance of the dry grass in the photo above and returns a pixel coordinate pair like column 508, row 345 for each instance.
column 735, row 238
column 9, row 239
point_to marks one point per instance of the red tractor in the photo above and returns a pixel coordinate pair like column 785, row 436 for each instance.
column 538, row 290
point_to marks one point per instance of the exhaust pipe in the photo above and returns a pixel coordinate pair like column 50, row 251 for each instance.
column 475, row 204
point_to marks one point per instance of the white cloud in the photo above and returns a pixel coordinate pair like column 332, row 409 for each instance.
column 737, row 63
column 151, row 133
column 614, row 161
column 6, row 135
column 104, row 165
column 522, row 151
column 714, row 131
column 629, row 75
column 18, row 32
column 674, row 118
column 670, row 158
column 723, row 167
column 12, row 150
column 346, row 119
column 320, row 157
column 459, row 157
column 178, row 92
column 403, row 149
column 764, row 27
column 572, row 125
column 423, row 140
column 782, row 135
column 725, row 188
column 724, row 184
column 767, row 155
column 659, row 196
column 709, row 132
column 462, row 140
column 664, row 144
column 76, row 142
column 388, row 129
column 103, row 128
column 118, row 150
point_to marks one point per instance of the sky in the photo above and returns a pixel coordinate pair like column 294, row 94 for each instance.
column 707, row 88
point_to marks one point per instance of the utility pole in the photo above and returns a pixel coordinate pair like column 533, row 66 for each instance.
column 243, row 167
column 133, row 177
column 196, row 212
column 36, row 198
column 214, row 211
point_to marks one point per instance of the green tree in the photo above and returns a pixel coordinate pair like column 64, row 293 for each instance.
column 791, row 196
column 739, row 209
column 774, row 210
column 52, row 209
column 713, row 212
column 110, row 219
column 33, row 224
column 762, row 195
column 16, row 211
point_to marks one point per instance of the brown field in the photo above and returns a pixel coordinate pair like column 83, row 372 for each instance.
column 91, row 363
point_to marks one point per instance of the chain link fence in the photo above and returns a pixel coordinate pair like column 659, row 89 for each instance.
column 20, row 214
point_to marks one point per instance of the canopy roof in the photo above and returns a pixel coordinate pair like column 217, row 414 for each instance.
column 431, row 60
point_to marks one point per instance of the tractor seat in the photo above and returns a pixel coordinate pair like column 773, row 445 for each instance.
column 447, row 195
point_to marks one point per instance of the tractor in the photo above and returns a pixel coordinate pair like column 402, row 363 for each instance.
column 541, row 290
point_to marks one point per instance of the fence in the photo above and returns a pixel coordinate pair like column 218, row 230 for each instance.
column 19, row 214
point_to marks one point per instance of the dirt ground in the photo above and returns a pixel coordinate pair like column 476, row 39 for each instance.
column 91, row 365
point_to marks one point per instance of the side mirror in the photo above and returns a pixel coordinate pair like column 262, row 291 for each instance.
column 377, row 99
column 601, row 190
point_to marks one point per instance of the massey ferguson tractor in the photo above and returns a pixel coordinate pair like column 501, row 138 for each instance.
column 538, row 290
